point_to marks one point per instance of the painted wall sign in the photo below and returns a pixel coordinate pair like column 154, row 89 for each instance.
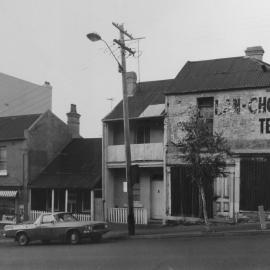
column 255, row 105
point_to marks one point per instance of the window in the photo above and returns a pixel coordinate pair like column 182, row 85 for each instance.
column 136, row 192
column 118, row 133
column 3, row 160
column 143, row 134
column 48, row 219
column 206, row 109
column 135, row 188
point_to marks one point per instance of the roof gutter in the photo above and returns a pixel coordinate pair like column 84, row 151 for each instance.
column 12, row 139
column 135, row 118
column 215, row 90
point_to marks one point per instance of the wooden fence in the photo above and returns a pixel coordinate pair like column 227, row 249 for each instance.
column 34, row 214
column 119, row 215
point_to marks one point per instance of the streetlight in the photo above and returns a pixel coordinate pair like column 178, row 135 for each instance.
column 96, row 37
column 122, row 68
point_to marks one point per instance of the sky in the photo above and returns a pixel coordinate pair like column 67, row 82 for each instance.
column 45, row 40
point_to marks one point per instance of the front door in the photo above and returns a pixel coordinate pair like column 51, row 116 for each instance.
column 156, row 199
column 221, row 188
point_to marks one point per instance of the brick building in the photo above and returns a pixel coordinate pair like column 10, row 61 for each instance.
column 27, row 144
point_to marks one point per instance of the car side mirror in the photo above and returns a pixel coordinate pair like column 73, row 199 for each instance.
column 53, row 221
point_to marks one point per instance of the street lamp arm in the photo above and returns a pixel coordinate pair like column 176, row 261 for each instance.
column 120, row 66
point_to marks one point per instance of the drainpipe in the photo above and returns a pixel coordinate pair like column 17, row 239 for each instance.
column 24, row 191
column 234, row 217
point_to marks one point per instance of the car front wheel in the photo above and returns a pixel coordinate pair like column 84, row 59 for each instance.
column 22, row 239
column 74, row 238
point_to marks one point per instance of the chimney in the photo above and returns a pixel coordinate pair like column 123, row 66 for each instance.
column 255, row 52
column 47, row 84
column 73, row 121
column 131, row 78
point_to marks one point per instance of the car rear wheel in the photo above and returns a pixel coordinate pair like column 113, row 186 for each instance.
column 74, row 238
column 22, row 239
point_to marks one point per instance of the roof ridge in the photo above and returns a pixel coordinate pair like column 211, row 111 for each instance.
column 155, row 81
column 13, row 77
column 20, row 116
column 223, row 58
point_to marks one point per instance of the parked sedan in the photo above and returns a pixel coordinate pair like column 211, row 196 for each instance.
column 56, row 226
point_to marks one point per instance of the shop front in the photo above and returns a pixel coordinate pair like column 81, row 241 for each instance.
column 9, row 211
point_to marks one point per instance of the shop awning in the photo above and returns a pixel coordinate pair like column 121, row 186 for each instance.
column 8, row 193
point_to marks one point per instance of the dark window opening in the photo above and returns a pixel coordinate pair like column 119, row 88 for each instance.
column 118, row 133
column 206, row 110
column 143, row 134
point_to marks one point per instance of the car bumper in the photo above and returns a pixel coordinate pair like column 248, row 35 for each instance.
column 88, row 233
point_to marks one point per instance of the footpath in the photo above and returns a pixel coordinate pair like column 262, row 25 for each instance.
column 159, row 231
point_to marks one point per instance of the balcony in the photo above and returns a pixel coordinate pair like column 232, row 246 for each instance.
column 139, row 152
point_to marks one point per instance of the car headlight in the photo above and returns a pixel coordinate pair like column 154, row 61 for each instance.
column 106, row 226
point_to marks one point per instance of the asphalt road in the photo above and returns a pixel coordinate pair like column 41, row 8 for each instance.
column 241, row 252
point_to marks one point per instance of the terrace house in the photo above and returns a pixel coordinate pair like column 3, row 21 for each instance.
column 146, row 113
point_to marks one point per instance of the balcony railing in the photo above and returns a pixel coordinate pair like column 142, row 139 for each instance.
column 139, row 152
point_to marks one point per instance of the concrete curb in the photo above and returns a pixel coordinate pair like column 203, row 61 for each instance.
column 196, row 234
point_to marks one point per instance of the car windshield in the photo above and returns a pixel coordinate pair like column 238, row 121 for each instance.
column 64, row 217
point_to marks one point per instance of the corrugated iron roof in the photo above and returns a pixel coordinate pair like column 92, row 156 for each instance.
column 146, row 93
column 221, row 74
column 153, row 110
column 77, row 166
column 13, row 127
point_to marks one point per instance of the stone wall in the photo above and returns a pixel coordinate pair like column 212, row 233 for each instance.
column 243, row 116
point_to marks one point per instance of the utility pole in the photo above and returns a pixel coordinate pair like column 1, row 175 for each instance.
column 121, row 43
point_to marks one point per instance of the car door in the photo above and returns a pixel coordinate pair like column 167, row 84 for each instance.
column 47, row 227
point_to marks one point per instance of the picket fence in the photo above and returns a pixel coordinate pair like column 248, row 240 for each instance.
column 34, row 214
column 119, row 215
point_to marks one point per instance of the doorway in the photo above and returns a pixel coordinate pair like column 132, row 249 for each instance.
column 157, row 199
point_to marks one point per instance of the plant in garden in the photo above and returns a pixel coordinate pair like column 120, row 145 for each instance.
column 205, row 152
